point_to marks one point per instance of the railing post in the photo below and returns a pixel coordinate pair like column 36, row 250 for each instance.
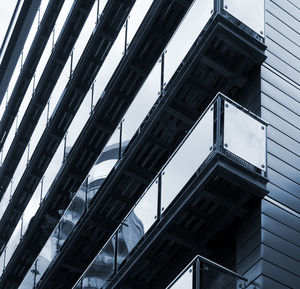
column 197, row 280
column 86, row 193
column 116, row 253
column 92, row 98
column 48, row 112
column 71, row 63
column 218, row 4
column 4, row 260
column 218, row 124
column 65, row 148
column 159, row 198
column 162, row 73
column 21, row 231
column 53, row 37
column 41, row 193
column 120, row 138
column 98, row 9
column 126, row 36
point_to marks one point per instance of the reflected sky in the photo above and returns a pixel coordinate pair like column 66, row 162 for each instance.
column 7, row 10
column 133, row 118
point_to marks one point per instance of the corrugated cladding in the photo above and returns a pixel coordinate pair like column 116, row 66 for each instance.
column 279, row 249
column 269, row 243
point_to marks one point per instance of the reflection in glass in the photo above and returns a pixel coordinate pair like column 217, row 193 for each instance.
column 184, row 164
column 129, row 235
column 185, row 281
column 244, row 136
column 146, row 209
column 203, row 273
column 216, row 279
column 142, row 104
column 102, row 268
column 250, row 12
column 186, row 34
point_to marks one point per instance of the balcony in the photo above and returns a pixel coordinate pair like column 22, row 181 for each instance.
column 224, row 55
column 205, row 186
column 202, row 273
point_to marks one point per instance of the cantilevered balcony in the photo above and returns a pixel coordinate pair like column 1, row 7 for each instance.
column 207, row 184
column 203, row 273
column 225, row 56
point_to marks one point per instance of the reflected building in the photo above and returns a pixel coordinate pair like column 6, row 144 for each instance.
column 128, row 235
column 104, row 264
column 209, row 91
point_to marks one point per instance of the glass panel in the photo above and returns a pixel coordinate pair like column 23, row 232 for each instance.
column 215, row 279
column 8, row 10
column 244, row 136
column 146, row 209
column 84, row 35
column 138, row 222
column 185, row 281
column 102, row 268
column 142, row 104
column 100, row 171
column 186, row 35
column 110, row 64
column 184, row 163
column 137, row 15
column 34, row 274
column 129, row 235
column 250, row 12
column 14, row 182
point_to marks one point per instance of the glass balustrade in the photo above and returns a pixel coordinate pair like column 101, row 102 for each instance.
column 79, row 122
column 189, row 30
column 203, row 273
column 27, row 44
column 53, row 100
column 250, row 12
column 183, row 164
column 203, row 140
column 88, row 188
column 244, row 135
column 184, row 280
column 207, row 138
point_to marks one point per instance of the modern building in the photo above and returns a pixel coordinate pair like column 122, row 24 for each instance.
column 206, row 192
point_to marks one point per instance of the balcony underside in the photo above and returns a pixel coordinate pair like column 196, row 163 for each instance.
column 29, row 67
column 128, row 77
column 51, row 137
column 222, row 59
column 217, row 195
column 16, row 43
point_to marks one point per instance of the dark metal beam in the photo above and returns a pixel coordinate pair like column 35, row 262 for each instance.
column 43, row 91
column 27, row 71
column 16, row 43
